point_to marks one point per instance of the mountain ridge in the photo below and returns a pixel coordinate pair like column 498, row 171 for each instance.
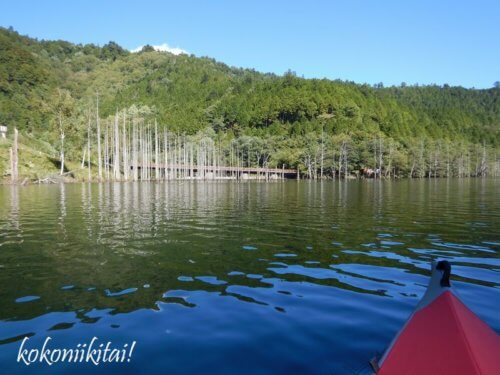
column 41, row 79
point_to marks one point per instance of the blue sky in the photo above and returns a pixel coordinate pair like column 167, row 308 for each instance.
column 439, row 41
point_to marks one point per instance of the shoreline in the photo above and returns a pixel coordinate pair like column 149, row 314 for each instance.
column 230, row 179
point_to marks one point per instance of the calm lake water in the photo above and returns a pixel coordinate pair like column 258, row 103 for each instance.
column 227, row 277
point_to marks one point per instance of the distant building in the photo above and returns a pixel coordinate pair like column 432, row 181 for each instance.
column 3, row 131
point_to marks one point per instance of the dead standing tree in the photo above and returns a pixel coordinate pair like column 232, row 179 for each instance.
column 99, row 156
column 14, row 159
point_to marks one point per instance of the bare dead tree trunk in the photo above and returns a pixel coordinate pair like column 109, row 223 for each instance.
column 125, row 147
column 389, row 160
column 380, row 156
column 167, row 172
column 116, row 156
column 62, row 144
column 421, row 160
column 484, row 163
column 83, row 157
column 99, row 156
column 157, row 167
column 14, row 158
column 322, row 151
column 134, row 150
column 341, row 160
column 88, row 148
column 106, row 152
column 412, row 166
column 191, row 161
column 150, row 151
column 436, row 159
column 468, row 162
column 141, row 150
column 333, row 161
column 447, row 160
column 346, row 159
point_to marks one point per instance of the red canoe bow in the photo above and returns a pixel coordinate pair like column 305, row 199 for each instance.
column 442, row 336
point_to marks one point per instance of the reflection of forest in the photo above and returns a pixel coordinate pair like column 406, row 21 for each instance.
column 358, row 236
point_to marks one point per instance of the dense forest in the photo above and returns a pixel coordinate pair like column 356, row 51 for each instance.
column 89, row 109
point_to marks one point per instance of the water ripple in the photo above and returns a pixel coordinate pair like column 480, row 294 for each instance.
column 287, row 276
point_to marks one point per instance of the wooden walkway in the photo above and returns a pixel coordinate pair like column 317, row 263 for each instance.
column 220, row 169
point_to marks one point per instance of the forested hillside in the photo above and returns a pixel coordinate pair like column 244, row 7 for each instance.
column 322, row 127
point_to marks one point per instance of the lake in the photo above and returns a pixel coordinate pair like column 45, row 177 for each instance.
column 238, row 277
